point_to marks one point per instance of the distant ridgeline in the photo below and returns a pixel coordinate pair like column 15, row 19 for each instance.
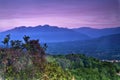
column 100, row 43
column 106, row 47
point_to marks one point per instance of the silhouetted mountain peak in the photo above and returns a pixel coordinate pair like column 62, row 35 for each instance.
column 45, row 33
column 20, row 27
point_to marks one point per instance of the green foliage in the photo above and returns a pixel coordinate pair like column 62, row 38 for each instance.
column 27, row 61
column 88, row 68
column 53, row 72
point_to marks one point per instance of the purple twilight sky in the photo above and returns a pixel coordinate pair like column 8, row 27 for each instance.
column 63, row 13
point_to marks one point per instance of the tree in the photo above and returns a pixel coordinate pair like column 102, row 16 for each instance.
column 6, row 40
column 26, row 38
column 45, row 46
column 12, row 43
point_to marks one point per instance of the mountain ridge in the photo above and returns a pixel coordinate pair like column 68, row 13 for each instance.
column 95, row 33
column 45, row 33
column 98, row 41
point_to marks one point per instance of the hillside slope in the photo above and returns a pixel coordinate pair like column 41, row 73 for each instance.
column 106, row 47
column 95, row 33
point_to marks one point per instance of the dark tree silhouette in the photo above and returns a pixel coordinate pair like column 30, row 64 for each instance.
column 26, row 38
column 6, row 40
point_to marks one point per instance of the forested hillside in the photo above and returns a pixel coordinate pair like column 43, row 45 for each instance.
column 106, row 47
column 86, row 68
column 28, row 61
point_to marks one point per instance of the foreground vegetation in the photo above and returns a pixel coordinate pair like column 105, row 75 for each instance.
column 87, row 68
column 27, row 61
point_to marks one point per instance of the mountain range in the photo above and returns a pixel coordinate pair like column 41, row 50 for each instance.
column 95, row 33
column 45, row 33
column 48, row 33
column 100, row 43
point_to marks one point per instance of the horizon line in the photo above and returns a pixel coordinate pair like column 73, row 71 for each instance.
column 59, row 27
